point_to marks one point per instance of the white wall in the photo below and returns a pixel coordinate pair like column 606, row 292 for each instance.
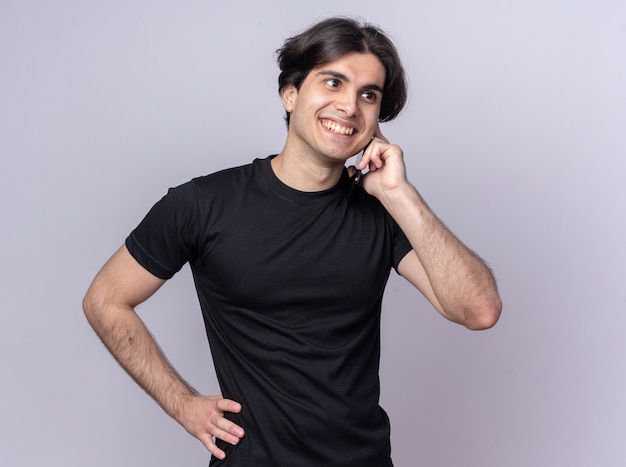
column 515, row 134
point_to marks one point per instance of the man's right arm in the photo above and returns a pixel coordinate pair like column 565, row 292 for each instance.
column 109, row 306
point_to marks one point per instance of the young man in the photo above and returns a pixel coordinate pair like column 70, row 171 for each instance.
column 290, row 259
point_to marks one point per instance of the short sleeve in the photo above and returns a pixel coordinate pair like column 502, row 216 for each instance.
column 166, row 238
column 401, row 245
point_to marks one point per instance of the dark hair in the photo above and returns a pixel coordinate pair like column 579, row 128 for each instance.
column 332, row 38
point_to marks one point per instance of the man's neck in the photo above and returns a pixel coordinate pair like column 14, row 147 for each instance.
column 305, row 174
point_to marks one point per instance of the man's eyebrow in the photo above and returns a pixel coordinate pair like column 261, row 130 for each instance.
column 341, row 76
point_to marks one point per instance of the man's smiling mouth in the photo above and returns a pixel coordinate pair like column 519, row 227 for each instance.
column 336, row 128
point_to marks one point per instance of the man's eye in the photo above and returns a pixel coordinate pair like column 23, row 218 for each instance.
column 370, row 96
column 333, row 83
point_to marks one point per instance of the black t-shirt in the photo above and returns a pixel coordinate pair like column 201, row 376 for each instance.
column 290, row 286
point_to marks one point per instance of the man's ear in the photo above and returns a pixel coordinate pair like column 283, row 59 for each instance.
column 289, row 95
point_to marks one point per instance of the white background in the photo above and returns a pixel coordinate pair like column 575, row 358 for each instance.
column 515, row 133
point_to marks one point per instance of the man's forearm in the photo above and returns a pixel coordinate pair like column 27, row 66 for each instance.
column 120, row 286
column 461, row 281
column 132, row 345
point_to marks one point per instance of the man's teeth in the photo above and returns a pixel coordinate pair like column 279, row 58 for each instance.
column 341, row 130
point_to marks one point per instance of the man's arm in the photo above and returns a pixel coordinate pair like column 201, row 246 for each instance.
column 454, row 279
column 118, row 288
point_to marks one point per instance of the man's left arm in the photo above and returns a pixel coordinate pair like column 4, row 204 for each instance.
column 452, row 277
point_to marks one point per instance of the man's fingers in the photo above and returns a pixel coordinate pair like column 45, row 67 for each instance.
column 212, row 447
column 227, row 405
column 208, row 423
column 224, row 430
column 227, row 435
column 373, row 155
column 379, row 134
column 225, row 427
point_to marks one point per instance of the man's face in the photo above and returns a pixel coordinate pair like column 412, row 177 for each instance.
column 335, row 112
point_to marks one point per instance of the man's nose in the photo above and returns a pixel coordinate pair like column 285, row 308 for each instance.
column 348, row 104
